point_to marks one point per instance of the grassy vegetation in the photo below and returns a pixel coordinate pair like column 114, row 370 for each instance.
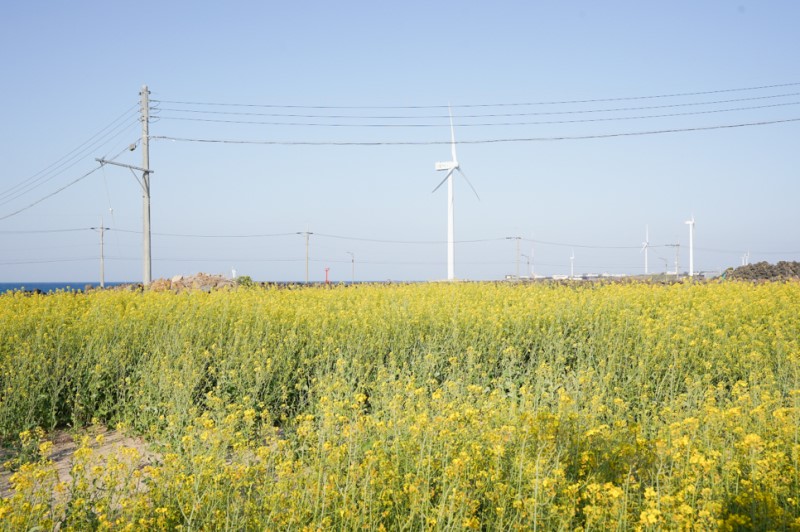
column 412, row 407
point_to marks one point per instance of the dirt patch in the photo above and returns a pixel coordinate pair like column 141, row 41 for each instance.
column 103, row 442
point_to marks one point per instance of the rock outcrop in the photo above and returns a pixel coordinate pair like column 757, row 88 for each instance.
column 204, row 282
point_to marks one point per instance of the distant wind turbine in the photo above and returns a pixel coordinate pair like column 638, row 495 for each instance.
column 572, row 264
column 450, row 167
column 646, row 246
column 690, row 223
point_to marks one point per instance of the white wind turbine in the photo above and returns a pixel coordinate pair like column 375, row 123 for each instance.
column 572, row 264
column 690, row 223
column 646, row 246
column 450, row 167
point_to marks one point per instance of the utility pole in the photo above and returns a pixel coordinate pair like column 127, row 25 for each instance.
column 677, row 252
column 666, row 267
column 677, row 255
column 147, row 260
column 307, row 234
column 353, row 263
column 690, row 223
column 528, row 259
column 102, row 257
column 517, row 238
column 102, row 254
column 145, row 184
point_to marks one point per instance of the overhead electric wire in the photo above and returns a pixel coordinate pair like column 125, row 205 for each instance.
column 74, row 160
column 81, row 178
column 492, row 115
column 479, row 141
column 317, row 260
column 32, row 231
column 380, row 241
column 477, row 124
column 585, row 246
column 84, row 176
column 738, row 251
column 189, row 235
column 47, row 261
column 70, row 155
column 387, row 241
column 466, row 106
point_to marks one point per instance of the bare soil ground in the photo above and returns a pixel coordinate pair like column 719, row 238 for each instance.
column 66, row 442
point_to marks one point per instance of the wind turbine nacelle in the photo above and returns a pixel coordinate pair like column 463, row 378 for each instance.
column 446, row 166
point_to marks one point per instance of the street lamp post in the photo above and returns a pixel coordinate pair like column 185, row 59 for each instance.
column 353, row 265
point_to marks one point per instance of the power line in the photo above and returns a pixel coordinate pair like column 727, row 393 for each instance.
column 83, row 147
column 466, row 106
column 48, row 261
column 187, row 235
column 379, row 241
column 585, row 246
column 477, row 124
column 493, row 115
column 81, row 178
column 481, row 141
column 74, row 160
column 33, row 231
column 737, row 251
column 319, row 261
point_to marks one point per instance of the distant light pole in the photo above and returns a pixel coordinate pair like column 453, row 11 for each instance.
column 677, row 259
column 666, row 266
column 533, row 264
column 690, row 223
column 528, row 259
column 102, row 229
column 353, row 265
column 517, row 238
column 307, row 233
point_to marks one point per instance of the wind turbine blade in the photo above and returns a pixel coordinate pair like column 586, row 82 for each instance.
column 452, row 135
column 468, row 182
column 443, row 181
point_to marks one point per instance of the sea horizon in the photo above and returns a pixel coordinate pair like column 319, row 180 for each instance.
column 53, row 286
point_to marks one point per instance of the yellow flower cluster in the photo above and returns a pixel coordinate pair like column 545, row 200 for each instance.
column 430, row 406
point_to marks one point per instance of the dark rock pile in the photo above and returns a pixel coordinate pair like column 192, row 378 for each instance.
column 764, row 271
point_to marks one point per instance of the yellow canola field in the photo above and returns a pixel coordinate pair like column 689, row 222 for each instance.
column 410, row 407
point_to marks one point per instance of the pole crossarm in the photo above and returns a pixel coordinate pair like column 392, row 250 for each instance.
column 103, row 161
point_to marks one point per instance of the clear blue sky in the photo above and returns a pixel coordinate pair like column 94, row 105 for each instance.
column 72, row 68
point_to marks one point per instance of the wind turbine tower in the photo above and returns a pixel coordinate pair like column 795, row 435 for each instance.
column 450, row 167
column 690, row 223
column 572, row 264
column 645, row 247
